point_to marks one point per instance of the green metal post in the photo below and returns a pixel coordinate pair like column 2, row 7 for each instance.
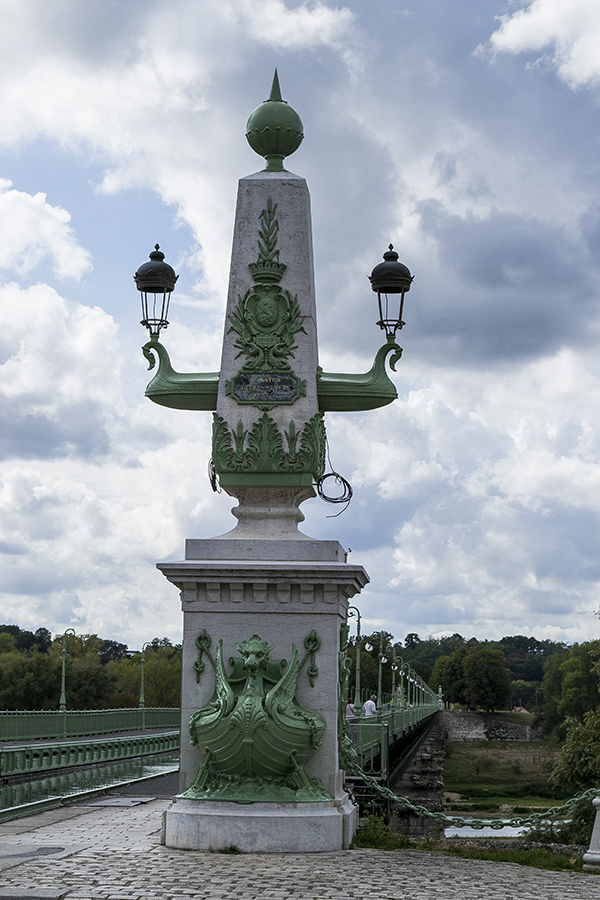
column 382, row 659
column 142, row 705
column 62, row 706
column 357, row 699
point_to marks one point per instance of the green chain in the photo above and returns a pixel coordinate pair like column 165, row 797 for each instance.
column 458, row 821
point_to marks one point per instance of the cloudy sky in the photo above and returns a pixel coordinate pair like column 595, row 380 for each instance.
column 465, row 131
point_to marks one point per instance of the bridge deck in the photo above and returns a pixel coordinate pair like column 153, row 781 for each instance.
column 112, row 852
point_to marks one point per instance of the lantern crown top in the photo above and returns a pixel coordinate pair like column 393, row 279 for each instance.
column 390, row 276
column 155, row 276
column 274, row 130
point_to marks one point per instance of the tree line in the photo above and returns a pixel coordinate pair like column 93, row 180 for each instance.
column 99, row 673
column 555, row 681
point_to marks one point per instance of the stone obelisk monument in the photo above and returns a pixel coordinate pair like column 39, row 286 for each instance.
column 264, row 605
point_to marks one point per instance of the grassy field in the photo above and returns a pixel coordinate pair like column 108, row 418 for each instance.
column 504, row 777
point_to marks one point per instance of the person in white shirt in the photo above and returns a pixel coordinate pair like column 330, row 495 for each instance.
column 370, row 706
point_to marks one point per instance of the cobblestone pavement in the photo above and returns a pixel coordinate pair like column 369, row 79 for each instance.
column 113, row 853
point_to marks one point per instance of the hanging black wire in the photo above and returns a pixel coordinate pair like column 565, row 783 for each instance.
column 346, row 488
column 213, row 477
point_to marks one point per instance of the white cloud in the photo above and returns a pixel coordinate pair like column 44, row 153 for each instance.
column 150, row 109
column 476, row 494
column 59, row 375
column 305, row 26
column 31, row 230
column 571, row 30
column 491, row 486
column 92, row 491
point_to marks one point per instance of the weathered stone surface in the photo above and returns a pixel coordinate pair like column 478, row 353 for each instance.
column 294, row 243
column 264, row 827
column 423, row 784
column 477, row 726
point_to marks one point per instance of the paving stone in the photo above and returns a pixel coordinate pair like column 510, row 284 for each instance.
column 115, row 854
column 32, row 893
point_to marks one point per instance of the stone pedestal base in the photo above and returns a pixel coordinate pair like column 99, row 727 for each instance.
column 260, row 827
column 591, row 859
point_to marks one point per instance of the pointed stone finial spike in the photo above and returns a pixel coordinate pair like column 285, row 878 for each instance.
column 275, row 89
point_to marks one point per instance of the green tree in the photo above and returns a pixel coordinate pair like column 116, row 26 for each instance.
column 411, row 640
column 528, row 694
column 577, row 769
column 440, row 676
column 487, row 682
column 578, row 766
column 570, row 687
column 29, row 681
column 7, row 642
column 43, row 639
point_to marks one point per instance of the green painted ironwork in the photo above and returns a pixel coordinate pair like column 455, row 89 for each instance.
column 23, row 725
column 346, row 750
column 266, row 320
column 267, row 267
column 261, row 450
column 40, row 757
column 178, row 390
column 254, row 732
column 338, row 392
column 24, row 798
column 274, row 130
column 554, row 812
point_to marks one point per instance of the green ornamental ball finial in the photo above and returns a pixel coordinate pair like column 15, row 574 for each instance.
column 274, row 130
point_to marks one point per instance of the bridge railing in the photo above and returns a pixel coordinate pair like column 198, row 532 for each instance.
column 24, row 725
column 372, row 735
column 38, row 757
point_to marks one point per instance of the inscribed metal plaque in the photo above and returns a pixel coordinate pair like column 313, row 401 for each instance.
column 272, row 387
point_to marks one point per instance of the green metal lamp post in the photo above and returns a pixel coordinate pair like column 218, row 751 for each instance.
column 142, row 705
column 395, row 668
column 412, row 680
column 63, row 698
column 370, row 645
column 357, row 703
column 406, row 690
column 382, row 661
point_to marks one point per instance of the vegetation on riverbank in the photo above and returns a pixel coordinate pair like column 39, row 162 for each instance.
column 502, row 777
column 375, row 834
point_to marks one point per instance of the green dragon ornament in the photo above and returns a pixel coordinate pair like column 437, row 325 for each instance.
column 255, row 734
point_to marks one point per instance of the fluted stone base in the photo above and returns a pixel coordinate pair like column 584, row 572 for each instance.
column 260, row 827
